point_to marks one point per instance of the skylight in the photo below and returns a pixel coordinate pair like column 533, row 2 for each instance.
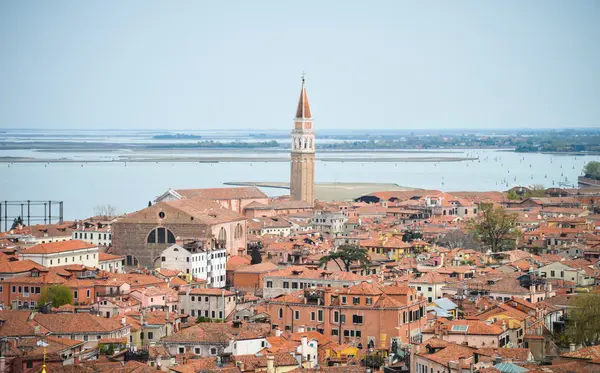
column 459, row 328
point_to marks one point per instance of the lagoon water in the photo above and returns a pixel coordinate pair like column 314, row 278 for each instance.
column 130, row 186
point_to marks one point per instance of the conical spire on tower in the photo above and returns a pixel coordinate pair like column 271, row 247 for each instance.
column 303, row 110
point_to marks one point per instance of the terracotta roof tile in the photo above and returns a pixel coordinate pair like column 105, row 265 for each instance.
column 58, row 247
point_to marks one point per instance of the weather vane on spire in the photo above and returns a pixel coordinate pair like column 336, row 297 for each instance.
column 303, row 75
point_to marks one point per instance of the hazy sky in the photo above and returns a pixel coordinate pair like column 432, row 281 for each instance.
column 237, row 64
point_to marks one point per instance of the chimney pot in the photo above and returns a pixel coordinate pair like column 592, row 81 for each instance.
column 270, row 364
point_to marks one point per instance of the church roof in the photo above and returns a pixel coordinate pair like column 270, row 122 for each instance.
column 303, row 110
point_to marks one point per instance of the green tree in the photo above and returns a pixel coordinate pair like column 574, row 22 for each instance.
column 537, row 190
column 374, row 361
column 410, row 236
column 256, row 258
column 347, row 254
column 495, row 228
column 592, row 170
column 583, row 320
column 512, row 195
column 58, row 295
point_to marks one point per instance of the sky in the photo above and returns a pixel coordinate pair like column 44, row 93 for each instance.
column 145, row 64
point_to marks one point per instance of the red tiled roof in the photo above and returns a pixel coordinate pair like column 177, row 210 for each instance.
column 20, row 266
column 258, row 268
column 303, row 110
column 58, row 247
column 104, row 257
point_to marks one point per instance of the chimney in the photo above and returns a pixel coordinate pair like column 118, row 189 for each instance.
column 123, row 321
column 301, row 329
column 270, row 364
column 572, row 347
column 278, row 332
column 241, row 365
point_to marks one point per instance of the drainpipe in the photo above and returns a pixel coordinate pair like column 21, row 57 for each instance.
column 223, row 299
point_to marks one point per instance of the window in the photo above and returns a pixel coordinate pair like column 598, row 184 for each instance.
column 269, row 284
column 297, row 315
column 286, row 285
column 313, row 316
column 418, row 288
column 85, row 338
column 355, row 300
column 163, row 259
column 75, row 293
column 294, row 285
column 336, row 317
column 197, row 350
column 213, row 350
column 429, row 289
column 334, row 332
column 14, row 289
column 369, row 300
column 150, row 335
column 182, row 350
column 343, row 319
column 320, row 315
column 357, row 319
column 222, row 235
column 343, row 300
column 87, row 293
column 552, row 274
column 238, row 231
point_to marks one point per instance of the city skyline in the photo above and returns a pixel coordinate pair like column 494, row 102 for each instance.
column 387, row 66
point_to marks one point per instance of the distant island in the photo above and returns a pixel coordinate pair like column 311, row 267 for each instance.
column 176, row 136
column 210, row 144
column 560, row 142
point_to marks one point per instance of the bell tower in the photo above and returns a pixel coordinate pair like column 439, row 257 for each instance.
column 302, row 179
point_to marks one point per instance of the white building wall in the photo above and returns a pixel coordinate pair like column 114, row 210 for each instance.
column 423, row 289
column 93, row 237
column 208, row 265
column 210, row 306
column 87, row 257
column 115, row 265
column 247, row 346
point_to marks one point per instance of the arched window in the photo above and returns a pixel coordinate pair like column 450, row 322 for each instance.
column 222, row 235
column 161, row 235
column 238, row 231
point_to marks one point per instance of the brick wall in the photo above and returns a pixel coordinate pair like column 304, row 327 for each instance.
column 130, row 239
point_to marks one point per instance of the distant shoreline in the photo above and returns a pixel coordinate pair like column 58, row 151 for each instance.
column 10, row 160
